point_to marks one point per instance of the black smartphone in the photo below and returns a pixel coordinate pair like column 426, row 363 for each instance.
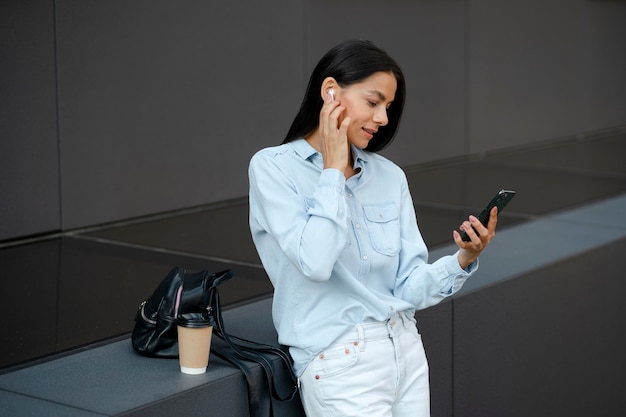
column 500, row 200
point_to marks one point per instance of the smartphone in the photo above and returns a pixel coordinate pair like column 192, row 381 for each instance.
column 500, row 200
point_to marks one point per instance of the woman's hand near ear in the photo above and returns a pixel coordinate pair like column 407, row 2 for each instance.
column 333, row 138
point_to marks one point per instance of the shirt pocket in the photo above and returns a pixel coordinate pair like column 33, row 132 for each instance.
column 383, row 225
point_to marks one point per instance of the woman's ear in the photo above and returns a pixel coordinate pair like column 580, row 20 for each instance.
column 329, row 84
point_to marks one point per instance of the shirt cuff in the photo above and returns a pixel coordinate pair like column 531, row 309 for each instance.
column 333, row 178
column 457, row 275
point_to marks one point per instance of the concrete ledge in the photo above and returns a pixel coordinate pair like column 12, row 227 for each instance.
column 113, row 380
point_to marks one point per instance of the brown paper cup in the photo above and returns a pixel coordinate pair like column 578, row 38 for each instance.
column 194, row 345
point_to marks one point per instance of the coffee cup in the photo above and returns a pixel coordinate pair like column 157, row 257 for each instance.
column 194, row 343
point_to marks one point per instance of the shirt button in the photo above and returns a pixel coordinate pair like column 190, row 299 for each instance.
column 365, row 257
column 358, row 226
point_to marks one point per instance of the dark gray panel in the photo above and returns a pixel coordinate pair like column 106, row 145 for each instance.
column 547, row 343
column 15, row 405
column 539, row 191
column 524, row 72
column 124, row 277
column 29, row 183
column 29, row 310
column 427, row 39
column 219, row 232
column 435, row 326
column 220, row 399
column 67, row 293
column 162, row 103
column 604, row 63
column 598, row 156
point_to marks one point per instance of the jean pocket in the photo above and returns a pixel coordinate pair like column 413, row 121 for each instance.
column 335, row 360
column 383, row 225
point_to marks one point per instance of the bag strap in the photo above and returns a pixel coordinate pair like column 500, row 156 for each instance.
column 254, row 398
column 259, row 404
column 258, row 352
column 240, row 349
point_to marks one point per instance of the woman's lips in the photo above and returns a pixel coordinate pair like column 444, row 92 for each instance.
column 370, row 132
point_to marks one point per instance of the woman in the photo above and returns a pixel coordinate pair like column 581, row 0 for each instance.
column 334, row 225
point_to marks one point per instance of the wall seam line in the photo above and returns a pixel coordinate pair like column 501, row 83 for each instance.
column 58, row 112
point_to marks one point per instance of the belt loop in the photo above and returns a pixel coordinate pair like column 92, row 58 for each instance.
column 391, row 323
column 361, row 333
column 406, row 321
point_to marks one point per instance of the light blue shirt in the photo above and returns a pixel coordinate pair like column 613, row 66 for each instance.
column 339, row 252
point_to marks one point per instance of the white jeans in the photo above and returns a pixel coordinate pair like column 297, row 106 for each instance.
column 376, row 370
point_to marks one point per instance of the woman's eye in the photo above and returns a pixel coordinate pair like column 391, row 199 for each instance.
column 371, row 103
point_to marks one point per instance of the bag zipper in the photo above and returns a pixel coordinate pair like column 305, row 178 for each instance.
column 143, row 314
column 177, row 305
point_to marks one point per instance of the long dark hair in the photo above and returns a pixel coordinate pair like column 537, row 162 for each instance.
column 348, row 63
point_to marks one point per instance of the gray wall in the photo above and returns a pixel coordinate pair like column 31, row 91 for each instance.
column 111, row 110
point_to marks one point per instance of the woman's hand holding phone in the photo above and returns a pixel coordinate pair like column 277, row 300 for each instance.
column 478, row 231
column 480, row 237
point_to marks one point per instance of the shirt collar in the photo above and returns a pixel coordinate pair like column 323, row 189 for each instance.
column 306, row 151
column 360, row 156
column 303, row 148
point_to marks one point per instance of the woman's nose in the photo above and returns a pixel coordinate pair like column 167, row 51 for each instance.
column 380, row 116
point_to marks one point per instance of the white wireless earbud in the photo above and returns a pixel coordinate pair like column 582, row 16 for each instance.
column 331, row 93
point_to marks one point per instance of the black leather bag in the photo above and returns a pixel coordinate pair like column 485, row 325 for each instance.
column 195, row 295
column 179, row 295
